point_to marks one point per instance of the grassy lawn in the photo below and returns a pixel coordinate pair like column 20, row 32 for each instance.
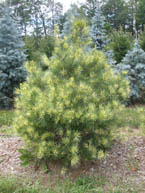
column 131, row 117
column 6, row 117
column 128, row 125
column 81, row 185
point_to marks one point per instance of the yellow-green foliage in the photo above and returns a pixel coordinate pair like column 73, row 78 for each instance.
column 66, row 113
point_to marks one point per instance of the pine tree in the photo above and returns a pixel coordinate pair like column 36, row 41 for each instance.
column 69, row 109
column 97, row 30
column 70, row 15
column 99, row 37
column 120, row 43
column 134, row 64
column 12, row 59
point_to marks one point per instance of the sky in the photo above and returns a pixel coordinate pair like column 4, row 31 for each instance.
column 67, row 3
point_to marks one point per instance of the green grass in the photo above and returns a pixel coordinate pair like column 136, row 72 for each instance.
column 81, row 185
column 6, row 117
column 130, row 123
column 13, row 185
column 131, row 117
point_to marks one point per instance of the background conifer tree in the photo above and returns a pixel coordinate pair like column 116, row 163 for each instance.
column 12, row 58
column 73, row 13
column 134, row 64
column 98, row 29
column 120, row 43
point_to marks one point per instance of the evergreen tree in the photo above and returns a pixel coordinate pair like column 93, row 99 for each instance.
column 142, row 40
column 99, row 37
column 12, row 59
column 73, row 13
column 120, row 43
column 134, row 64
column 116, row 13
column 110, row 58
column 98, row 29
column 69, row 109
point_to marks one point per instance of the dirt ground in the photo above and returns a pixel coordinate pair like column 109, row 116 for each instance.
column 125, row 162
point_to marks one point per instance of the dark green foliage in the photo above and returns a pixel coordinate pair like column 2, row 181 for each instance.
column 36, row 47
column 116, row 13
column 142, row 40
column 140, row 16
column 120, row 43
column 12, row 58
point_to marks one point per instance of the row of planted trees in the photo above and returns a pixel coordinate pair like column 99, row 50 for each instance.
column 67, row 104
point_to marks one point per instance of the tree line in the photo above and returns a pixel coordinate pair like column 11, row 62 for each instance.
column 40, row 16
column 112, row 25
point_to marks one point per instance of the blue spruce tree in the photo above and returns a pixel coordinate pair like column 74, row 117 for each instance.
column 12, row 58
column 134, row 64
column 98, row 35
column 97, row 30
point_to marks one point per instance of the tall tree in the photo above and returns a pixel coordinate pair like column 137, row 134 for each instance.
column 132, row 16
column 57, row 11
column 140, row 15
column 45, row 14
column 38, row 16
column 116, row 13
column 21, row 10
column 90, row 7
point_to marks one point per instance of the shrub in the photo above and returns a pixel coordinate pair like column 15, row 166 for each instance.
column 134, row 64
column 66, row 112
column 120, row 44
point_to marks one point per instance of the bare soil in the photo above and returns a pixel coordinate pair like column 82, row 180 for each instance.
column 125, row 162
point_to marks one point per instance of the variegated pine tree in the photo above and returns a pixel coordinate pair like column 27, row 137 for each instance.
column 66, row 113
